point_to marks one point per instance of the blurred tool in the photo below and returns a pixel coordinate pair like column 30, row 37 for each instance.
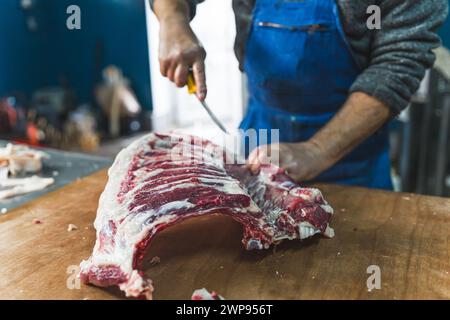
column 12, row 116
column 192, row 89
column 52, row 118
column 81, row 126
column 47, row 115
column 117, row 100
column 8, row 115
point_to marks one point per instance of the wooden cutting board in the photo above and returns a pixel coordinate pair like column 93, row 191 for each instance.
column 406, row 236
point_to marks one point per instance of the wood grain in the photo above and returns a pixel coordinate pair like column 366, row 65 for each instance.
column 406, row 235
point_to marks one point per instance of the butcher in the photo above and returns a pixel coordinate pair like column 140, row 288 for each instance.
column 320, row 72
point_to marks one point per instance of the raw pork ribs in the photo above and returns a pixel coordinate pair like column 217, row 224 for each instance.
column 160, row 180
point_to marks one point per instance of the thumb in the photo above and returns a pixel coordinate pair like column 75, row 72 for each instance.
column 256, row 159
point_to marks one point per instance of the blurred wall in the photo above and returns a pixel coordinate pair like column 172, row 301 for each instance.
column 113, row 32
column 22, row 60
column 444, row 32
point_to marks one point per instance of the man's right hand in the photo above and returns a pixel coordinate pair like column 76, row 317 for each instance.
column 179, row 48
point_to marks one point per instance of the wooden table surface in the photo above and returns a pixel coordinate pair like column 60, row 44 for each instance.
column 406, row 235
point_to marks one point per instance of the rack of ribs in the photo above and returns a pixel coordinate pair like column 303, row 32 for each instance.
column 160, row 180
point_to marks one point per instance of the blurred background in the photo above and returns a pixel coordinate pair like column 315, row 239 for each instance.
column 94, row 89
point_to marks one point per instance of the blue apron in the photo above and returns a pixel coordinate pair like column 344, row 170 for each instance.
column 300, row 68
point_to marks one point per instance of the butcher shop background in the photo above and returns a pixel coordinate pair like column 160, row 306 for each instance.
column 62, row 88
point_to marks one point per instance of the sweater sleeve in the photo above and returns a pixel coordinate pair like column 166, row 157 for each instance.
column 401, row 50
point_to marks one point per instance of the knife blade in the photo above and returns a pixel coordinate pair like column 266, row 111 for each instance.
column 192, row 89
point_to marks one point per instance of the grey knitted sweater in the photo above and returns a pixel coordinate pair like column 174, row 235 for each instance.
column 393, row 58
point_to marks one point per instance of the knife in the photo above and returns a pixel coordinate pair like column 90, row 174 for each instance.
column 192, row 89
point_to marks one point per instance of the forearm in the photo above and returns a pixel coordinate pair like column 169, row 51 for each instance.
column 360, row 117
column 171, row 9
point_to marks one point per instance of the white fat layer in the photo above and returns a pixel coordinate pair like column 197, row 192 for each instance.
column 110, row 209
column 329, row 232
column 230, row 185
column 143, row 173
column 183, row 179
column 174, row 205
column 306, row 230
column 136, row 285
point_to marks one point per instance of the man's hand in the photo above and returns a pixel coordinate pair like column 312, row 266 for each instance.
column 358, row 119
column 179, row 48
column 303, row 161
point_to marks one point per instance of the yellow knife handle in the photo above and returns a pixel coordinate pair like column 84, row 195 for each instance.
column 192, row 88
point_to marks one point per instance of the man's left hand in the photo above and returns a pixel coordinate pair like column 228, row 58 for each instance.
column 303, row 161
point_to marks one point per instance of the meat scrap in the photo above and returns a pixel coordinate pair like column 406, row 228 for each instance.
column 21, row 159
column 155, row 260
column 18, row 186
column 203, row 294
column 18, row 159
column 71, row 227
column 154, row 183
